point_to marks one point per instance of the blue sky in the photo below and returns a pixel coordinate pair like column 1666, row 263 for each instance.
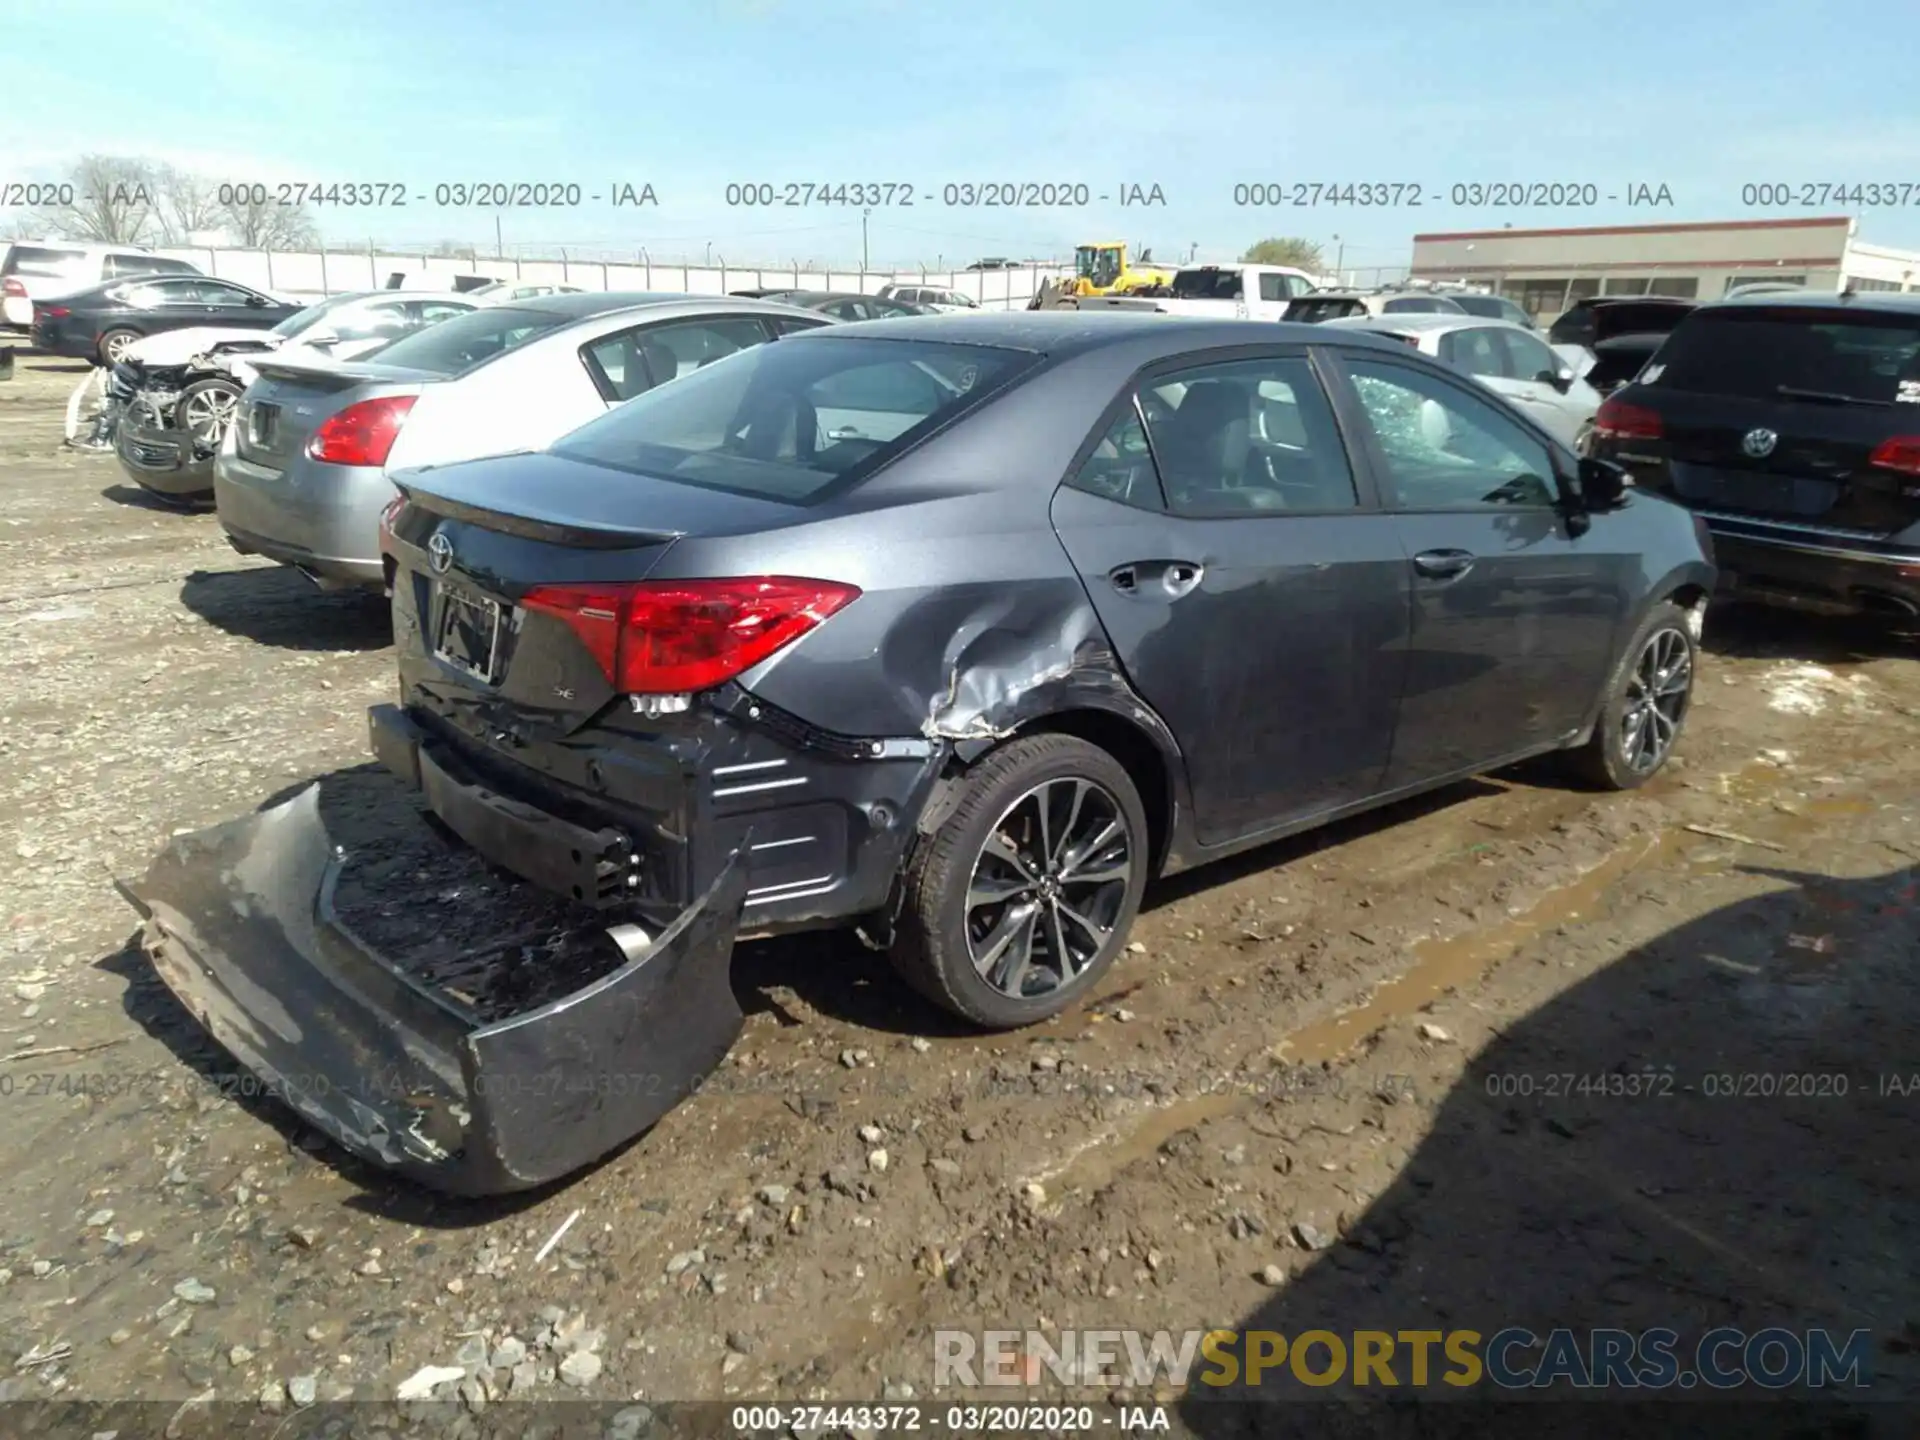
column 1701, row 97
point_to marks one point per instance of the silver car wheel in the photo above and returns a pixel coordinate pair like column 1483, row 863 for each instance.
column 117, row 347
column 1656, row 700
column 1047, row 887
column 207, row 414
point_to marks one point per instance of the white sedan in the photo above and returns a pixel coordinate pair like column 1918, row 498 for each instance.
column 1508, row 359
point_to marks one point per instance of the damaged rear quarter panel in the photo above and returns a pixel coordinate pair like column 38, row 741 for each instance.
column 971, row 620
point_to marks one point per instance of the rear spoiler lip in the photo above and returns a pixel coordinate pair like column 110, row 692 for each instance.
column 365, row 372
column 552, row 531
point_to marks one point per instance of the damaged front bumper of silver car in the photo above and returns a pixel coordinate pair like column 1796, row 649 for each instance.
column 242, row 925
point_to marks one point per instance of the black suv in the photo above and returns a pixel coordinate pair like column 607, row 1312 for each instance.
column 1791, row 424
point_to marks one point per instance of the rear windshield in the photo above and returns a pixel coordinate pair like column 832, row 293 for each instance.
column 456, row 346
column 43, row 260
column 1207, row 285
column 1493, row 307
column 787, row 420
column 1312, row 311
column 1759, row 353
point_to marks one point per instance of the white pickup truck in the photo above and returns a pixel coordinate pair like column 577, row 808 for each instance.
column 1224, row 292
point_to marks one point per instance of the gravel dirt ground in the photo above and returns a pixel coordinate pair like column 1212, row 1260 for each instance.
column 1355, row 1080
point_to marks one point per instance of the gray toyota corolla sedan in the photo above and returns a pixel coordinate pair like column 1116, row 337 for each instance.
column 958, row 629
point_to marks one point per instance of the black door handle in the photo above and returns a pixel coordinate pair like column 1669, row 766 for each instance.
column 1443, row 564
column 1171, row 578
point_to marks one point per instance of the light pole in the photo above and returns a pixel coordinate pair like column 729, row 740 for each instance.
column 863, row 240
column 1340, row 259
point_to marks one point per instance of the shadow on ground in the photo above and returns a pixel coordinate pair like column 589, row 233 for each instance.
column 279, row 606
column 140, row 499
column 1749, row 631
column 1764, row 1176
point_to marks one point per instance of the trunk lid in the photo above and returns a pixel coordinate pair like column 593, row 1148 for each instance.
column 287, row 402
column 1776, row 414
column 471, row 652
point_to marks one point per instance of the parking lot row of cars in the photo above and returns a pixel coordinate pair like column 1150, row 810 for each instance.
column 726, row 616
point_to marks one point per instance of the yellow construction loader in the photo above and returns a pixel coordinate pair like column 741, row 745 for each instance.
column 1102, row 269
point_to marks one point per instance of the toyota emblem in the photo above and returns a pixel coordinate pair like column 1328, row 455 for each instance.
column 440, row 553
column 1759, row 443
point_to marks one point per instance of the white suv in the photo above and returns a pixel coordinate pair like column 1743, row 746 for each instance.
column 33, row 270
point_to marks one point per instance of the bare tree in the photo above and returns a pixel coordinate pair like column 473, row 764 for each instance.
column 253, row 221
column 185, row 204
column 113, row 201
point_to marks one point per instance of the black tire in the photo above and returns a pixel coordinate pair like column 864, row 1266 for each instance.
column 935, row 943
column 1615, row 758
column 110, row 339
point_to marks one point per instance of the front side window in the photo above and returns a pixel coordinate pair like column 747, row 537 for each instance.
column 1250, row 437
column 1445, row 449
column 787, row 421
column 1527, row 357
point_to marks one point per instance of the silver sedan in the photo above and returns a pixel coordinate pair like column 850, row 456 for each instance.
column 1508, row 359
column 302, row 475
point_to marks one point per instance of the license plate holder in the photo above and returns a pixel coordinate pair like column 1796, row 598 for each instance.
column 466, row 633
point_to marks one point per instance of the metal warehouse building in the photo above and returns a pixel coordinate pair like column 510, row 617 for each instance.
column 1547, row 270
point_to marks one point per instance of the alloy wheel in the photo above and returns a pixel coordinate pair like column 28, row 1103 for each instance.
column 117, row 347
column 1047, row 886
column 207, row 414
column 1658, row 692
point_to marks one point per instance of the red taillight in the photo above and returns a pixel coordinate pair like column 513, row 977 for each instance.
column 52, row 312
column 361, row 434
column 1616, row 420
column 1901, row 453
column 678, row 636
column 12, row 288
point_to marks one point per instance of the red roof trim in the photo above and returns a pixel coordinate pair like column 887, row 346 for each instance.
column 1678, row 229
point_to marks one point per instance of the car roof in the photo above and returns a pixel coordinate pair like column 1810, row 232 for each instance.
column 1062, row 333
column 1424, row 321
column 1592, row 301
column 618, row 307
column 1894, row 301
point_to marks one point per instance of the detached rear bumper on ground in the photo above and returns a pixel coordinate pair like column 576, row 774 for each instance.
column 241, row 924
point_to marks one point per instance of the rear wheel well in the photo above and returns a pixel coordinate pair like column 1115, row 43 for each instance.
column 1138, row 755
column 1688, row 596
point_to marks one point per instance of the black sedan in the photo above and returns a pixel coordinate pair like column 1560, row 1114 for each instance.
column 959, row 629
column 99, row 324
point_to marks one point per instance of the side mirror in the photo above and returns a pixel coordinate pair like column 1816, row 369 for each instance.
column 1560, row 379
column 320, row 337
column 1603, row 484
column 258, row 302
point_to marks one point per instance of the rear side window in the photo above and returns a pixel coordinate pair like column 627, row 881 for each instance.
column 45, row 262
column 634, row 361
column 1209, row 285
column 457, row 345
column 1767, row 354
column 789, row 420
